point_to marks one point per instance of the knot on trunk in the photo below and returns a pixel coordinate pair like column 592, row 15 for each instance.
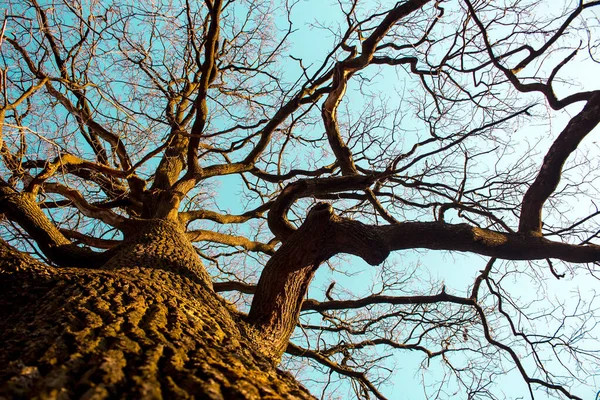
column 325, row 234
column 284, row 281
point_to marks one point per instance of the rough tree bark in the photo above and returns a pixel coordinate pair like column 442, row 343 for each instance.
column 145, row 325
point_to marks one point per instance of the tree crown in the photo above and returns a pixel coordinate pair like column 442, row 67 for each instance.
column 406, row 125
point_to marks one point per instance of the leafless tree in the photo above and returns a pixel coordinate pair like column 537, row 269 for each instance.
column 175, row 173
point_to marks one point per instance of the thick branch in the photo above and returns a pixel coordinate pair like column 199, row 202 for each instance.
column 90, row 240
column 285, row 279
column 550, row 172
column 230, row 286
column 22, row 208
column 277, row 218
column 463, row 237
column 209, row 72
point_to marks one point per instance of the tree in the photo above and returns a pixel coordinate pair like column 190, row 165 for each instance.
column 129, row 132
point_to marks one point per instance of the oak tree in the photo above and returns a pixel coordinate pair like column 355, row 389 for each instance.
column 174, row 173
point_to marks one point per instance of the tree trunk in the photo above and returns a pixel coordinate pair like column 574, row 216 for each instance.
column 146, row 325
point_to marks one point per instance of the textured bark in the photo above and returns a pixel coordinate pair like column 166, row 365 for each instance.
column 146, row 325
column 284, row 281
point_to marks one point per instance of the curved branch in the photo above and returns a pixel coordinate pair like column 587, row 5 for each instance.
column 66, row 161
column 22, row 208
column 277, row 218
column 189, row 216
column 544, row 88
column 283, row 284
column 550, row 172
column 533, row 54
column 293, row 173
column 342, row 72
column 285, row 279
column 89, row 210
column 208, row 74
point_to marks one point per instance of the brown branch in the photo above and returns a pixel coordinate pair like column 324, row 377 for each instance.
column 412, row 61
column 234, row 286
column 550, row 172
column 360, row 376
column 22, row 208
column 86, row 170
column 314, row 305
column 87, row 209
column 276, row 178
column 282, row 286
column 342, row 72
column 381, row 341
column 467, row 238
column 231, row 240
column 189, row 216
column 305, row 96
column 277, row 218
column 208, row 74
column 285, row 279
column 371, row 196
column 90, row 240
column 66, row 161
column 342, row 153
column 26, row 94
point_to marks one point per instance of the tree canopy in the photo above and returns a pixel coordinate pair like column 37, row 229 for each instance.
column 435, row 148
